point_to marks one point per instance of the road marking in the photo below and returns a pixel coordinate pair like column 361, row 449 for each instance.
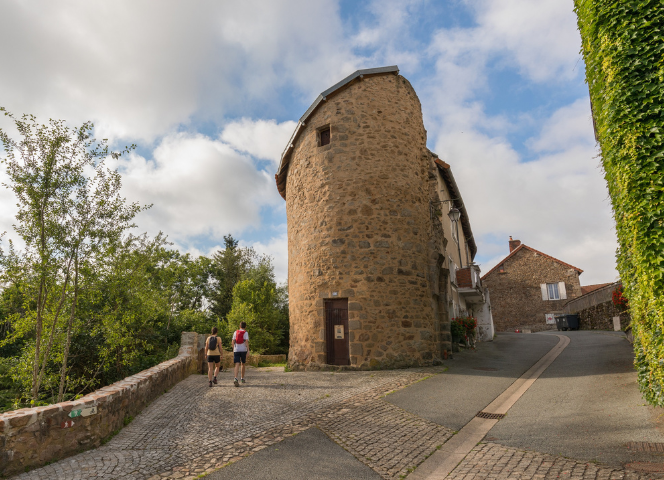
column 442, row 462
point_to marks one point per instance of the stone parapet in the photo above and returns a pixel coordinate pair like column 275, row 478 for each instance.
column 30, row 437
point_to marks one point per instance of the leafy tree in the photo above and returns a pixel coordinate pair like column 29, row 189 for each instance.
column 68, row 206
column 227, row 269
column 259, row 302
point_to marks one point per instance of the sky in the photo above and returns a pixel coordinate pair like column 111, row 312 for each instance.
column 210, row 92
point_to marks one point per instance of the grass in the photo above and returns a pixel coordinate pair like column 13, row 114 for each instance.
column 264, row 363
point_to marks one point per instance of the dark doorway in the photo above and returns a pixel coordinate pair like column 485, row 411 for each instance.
column 336, row 331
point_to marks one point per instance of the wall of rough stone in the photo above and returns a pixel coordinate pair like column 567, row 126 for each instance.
column 516, row 297
column 358, row 221
column 30, row 437
column 600, row 317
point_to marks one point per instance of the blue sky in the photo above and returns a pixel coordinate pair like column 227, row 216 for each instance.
column 211, row 91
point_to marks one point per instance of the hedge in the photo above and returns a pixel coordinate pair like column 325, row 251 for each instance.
column 623, row 49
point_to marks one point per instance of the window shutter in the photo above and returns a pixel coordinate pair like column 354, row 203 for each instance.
column 545, row 295
column 562, row 291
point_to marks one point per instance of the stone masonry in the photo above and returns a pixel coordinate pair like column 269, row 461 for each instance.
column 358, row 218
column 516, row 298
column 34, row 436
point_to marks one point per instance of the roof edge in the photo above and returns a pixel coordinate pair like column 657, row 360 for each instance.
column 523, row 245
column 457, row 201
column 285, row 156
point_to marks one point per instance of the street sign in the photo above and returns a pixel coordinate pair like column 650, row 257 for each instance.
column 83, row 412
column 67, row 424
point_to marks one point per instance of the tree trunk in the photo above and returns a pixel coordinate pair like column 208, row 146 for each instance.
column 63, row 371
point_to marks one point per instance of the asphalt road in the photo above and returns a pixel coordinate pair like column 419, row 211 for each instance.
column 310, row 451
column 473, row 379
column 586, row 405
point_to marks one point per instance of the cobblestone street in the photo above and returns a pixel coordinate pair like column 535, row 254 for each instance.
column 194, row 429
column 493, row 461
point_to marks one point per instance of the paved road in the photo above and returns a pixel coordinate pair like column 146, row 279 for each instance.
column 585, row 406
column 311, row 451
column 473, row 379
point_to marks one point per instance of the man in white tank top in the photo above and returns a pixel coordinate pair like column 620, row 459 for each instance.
column 240, row 349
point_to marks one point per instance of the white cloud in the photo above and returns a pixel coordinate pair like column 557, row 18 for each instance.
column 557, row 203
column 569, row 125
column 139, row 72
column 199, row 187
column 264, row 139
column 540, row 37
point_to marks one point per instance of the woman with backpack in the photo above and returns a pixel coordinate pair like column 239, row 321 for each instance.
column 213, row 354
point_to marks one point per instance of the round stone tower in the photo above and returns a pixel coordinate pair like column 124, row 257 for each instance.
column 354, row 177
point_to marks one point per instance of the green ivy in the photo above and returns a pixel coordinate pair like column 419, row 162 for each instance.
column 623, row 48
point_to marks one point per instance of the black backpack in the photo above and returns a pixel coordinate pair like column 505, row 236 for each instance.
column 212, row 344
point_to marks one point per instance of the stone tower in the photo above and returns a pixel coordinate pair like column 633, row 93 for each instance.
column 355, row 179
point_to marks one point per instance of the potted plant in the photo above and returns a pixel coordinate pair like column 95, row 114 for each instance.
column 463, row 328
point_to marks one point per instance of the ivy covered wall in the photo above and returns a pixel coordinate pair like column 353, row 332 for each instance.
column 623, row 48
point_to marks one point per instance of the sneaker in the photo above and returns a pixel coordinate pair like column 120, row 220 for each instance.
column 210, row 383
column 214, row 380
column 235, row 382
column 243, row 380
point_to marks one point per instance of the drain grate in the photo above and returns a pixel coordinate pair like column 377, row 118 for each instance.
column 490, row 416
column 646, row 447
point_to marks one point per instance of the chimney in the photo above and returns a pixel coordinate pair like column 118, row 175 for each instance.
column 514, row 244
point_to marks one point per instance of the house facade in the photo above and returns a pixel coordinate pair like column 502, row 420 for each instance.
column 371, row 257
column 528, row 287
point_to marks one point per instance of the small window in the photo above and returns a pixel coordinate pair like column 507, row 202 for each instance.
column 324, row 136
column 453, row 278
column 501, row 269
column 554, row 291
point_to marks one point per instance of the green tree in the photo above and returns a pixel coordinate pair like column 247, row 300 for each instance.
column 64, row 215
column 227, row 269
column 623, row 50
column 259, row 302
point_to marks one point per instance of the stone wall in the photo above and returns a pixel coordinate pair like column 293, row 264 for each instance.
column 600, row 317
column 516, row 298
column 31, row 437
column 358, row 223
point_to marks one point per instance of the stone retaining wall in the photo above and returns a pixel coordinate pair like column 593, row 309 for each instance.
column 31, row 437
column 600, row 317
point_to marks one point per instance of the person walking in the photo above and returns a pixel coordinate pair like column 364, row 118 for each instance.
column 213, row 354
column 240, row 349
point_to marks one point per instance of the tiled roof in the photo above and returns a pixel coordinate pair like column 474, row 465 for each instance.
column 592, row 288
column 522, row 246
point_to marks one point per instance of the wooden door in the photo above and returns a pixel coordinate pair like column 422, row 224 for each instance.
column 336, row 321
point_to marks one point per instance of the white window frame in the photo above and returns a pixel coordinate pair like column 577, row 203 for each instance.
column 553, row 291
